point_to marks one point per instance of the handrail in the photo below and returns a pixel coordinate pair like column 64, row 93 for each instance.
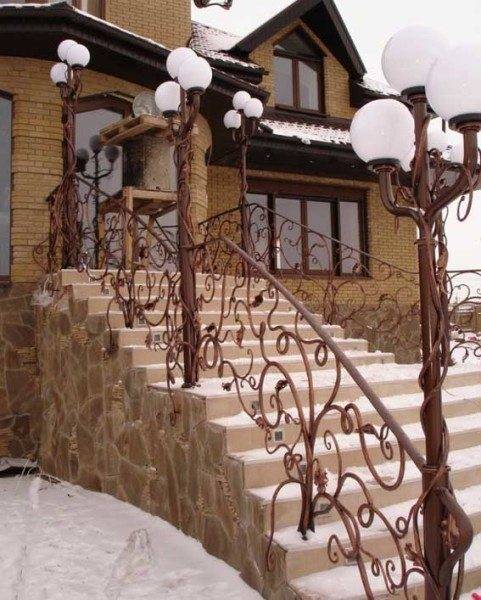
column 251, row 206
column 320, row 330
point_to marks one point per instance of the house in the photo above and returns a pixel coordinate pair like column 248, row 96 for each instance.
column 99, row 422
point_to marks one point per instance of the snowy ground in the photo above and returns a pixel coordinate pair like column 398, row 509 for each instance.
column 60, row 542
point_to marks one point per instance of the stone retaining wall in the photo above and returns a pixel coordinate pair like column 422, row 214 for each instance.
column 111, row 433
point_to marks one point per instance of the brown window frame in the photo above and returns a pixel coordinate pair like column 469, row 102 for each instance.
column 6, row 280
column 105, row 100
column 318, row 193
column 316, row 64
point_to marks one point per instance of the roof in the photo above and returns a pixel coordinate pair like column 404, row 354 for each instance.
column 323, row 19
column 216, row 45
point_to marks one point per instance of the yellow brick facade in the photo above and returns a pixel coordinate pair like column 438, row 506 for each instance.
column 164, row 21
column 336, row 78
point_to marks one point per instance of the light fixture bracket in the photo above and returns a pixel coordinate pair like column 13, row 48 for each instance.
column 207, row 3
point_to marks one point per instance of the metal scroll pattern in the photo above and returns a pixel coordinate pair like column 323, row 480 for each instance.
column 369, row 297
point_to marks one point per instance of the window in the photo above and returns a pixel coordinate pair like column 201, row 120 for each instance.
column 5, row 182
column 315, row 231
column 299, row 74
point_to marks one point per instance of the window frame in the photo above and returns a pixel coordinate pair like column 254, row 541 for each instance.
column 315, row 64
column 304, row 193
column 7, row 279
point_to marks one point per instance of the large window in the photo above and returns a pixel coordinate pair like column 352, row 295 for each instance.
column 318, row 230
column 5, row 183
column 299, row 74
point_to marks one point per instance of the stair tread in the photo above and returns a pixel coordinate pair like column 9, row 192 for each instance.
column 464, row 459
column 453, row 395
column 290, row 358
column 344, row 582
column 289, row 538
column 347, row 442
column 325, row 378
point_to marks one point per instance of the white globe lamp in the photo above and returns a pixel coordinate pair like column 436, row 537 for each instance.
column 232, row 119
column 453, row 86
column 382, row 132
column 195, row 75
column 167, row 98
column 240, row 99
column 63, row 48
column 409, row 56
column 176, row 58
column 77, row 56
column 59, row 73
column 254, row 109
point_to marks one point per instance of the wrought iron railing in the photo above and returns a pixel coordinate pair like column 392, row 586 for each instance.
column 369, row 297
column 311, row 404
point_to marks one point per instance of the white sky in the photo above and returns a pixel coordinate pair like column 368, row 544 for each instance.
column 371, row 23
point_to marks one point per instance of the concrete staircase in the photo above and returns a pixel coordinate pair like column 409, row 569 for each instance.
column 309, row 571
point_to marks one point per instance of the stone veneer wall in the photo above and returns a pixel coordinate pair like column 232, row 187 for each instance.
column 109, row 432
column 19, row 386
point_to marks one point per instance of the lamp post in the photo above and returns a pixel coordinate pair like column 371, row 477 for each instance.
column 83, row 156
column 243, row 121
column 179, row 101
column 433, row 79
column 66, row 76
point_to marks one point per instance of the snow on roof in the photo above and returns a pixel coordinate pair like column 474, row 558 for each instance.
column 309, row 132
column 215, row 44
column 380, row 87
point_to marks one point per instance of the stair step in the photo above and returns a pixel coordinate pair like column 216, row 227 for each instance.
column 260, row 467
column 243, row 434
column 293, row 363
column 465, row 471
column 311, row 555
column 138, row 335
column 142, row 355
column 344, row 583
column 388, row 380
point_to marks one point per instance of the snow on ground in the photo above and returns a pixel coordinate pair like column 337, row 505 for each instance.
column 61, row 542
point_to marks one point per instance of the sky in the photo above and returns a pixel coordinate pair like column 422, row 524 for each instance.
column 371, row 23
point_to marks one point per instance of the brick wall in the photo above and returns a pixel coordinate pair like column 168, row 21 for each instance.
column 164, row 21
column 336, row 77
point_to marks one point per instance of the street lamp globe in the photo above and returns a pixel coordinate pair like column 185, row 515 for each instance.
column 232, row 119
column 240, row 99
column 254, row 109
column 59, row 73
column 77, row 55
column 409, row 56
column 195, row 74
column 63, row 48
column 167, row 98
column 453, row 86
column 176, row 58
column 382, row 131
